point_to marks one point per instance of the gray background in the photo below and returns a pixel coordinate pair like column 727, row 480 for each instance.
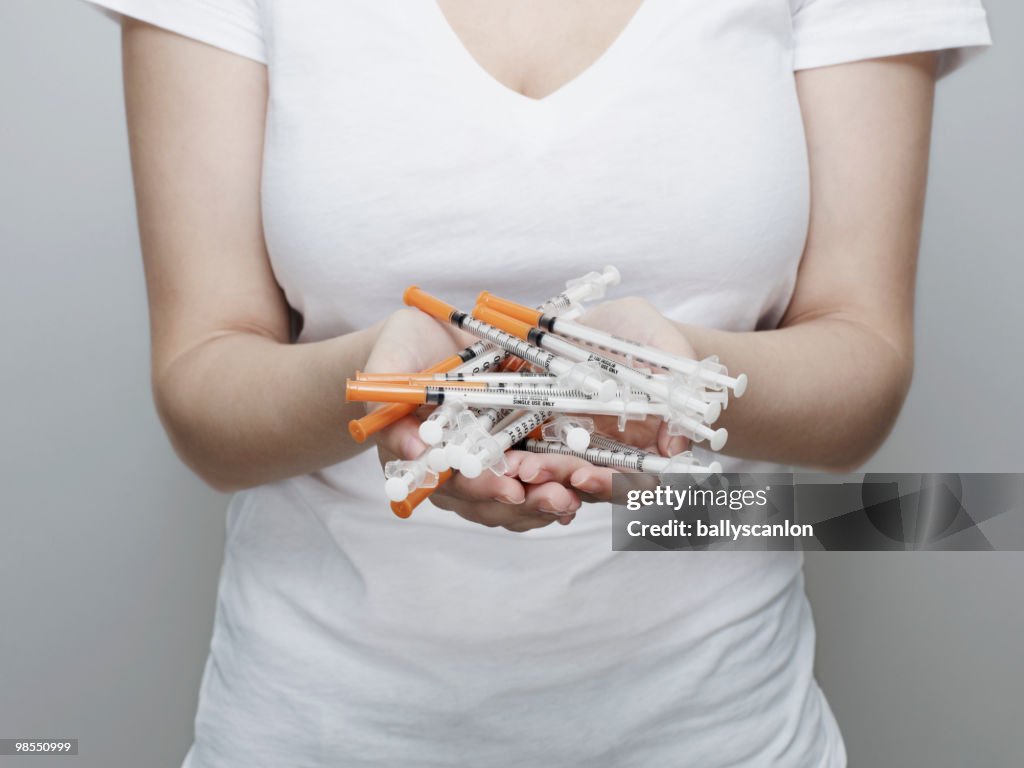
column 109, row 548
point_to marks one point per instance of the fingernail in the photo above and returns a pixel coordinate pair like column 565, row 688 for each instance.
column 587, row 484
column 558, row 512
column 509, row 500
column 676, row 445
column 528, row 475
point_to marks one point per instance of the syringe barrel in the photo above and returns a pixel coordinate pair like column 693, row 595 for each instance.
column 552, row 401
column 372, row 423
column 657, row 388
column 524, row 423
column 622, row 346
column 608, row 443
column 506, row 341
column 599, row 457
column 490, row 361
column 698, row 369
column 489, row 417
column 591, row 381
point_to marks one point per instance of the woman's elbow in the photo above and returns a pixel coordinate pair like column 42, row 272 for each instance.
column 217, row 477
column 217, row 480
column 191, row 436
column 873, row 422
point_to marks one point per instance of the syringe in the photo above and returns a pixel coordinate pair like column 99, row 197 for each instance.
column 598, row 440
column 574, row 431
column 405, row 476
column 591, row 287
column 554, row 399
column 636, row 461
column 708, row 371
column 489, row 452
column 404, row 509
column 432, row 428
column 576, row 374
column 503, row 377
column 679, row 398
column 479, row 356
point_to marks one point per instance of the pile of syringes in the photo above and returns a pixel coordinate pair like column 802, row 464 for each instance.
column 534, row 381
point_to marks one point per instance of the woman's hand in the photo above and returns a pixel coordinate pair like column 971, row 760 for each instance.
column 640, row 321
column 637, row 320
column 411, row 341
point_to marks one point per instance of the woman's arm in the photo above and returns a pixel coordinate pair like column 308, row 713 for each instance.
column 826, row 387
column 242, row 406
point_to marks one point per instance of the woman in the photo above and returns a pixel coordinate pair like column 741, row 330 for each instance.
column 756, row 168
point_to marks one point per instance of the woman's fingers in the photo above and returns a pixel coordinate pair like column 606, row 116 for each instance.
column 670, row 445
column 518, row 518
column 552, row 499
column 402, row 439
column 593, row 481
column 539, row 505
column 499, row 515
column 642, row 434
column 513, row 460
column 546, row 467
column 486, row 488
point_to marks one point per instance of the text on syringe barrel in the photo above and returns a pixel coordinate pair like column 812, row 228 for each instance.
column 524, row 426
column 598, row 456
column 509, row 343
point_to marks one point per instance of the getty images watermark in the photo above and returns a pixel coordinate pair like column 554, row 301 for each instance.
column 691, row 497
column 884, row 512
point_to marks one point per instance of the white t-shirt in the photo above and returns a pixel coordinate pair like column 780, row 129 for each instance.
column 347, row 637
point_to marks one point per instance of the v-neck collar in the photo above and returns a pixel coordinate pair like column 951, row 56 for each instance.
column 451, row 47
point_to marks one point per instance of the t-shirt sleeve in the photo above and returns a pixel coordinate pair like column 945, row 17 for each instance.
column 827, row 32
column 233, row 25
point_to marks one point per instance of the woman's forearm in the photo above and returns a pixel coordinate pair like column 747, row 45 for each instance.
column 243, row 409
column 242, row 406
column 826, row 387
column 823, row 393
